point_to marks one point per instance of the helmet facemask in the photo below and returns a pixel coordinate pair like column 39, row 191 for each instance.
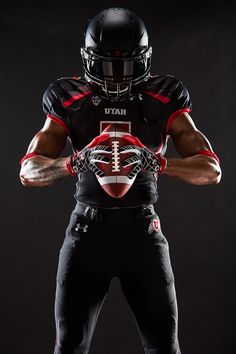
column 115, row 75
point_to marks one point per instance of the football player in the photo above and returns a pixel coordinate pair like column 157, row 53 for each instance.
column 117, row 237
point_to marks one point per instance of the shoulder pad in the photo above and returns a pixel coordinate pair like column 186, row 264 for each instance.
column 162, row 87
column 66, row 90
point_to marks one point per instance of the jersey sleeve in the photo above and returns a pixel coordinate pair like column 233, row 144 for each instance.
column 53, row 108
column 179, row 101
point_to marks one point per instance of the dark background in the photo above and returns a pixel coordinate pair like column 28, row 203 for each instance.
column 40, row 42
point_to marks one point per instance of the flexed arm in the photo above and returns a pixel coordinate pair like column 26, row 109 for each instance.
column 42, row 165
column 198, row 165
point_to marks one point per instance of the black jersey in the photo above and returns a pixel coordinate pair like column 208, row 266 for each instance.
column 81, row 110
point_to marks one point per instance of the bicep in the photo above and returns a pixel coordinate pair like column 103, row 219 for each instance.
column 49, row 141
column 188, row 140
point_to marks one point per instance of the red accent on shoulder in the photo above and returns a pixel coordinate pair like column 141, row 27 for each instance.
column 59, row 121
column 157, row 96
column 209, row 153
column 27, row 156
column 72, row 99
column 174, row 115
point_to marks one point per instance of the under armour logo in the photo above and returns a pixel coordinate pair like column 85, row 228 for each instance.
column 80, row 226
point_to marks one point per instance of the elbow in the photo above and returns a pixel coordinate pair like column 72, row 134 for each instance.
column 215, row 175
column 27, row 181
column 24, row 181
column 211, row 176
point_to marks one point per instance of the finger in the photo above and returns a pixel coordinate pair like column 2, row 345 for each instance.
column 97, row 170
column 101, row 149
column 129, row 149
column 99, row 158
column 135, row 171
column 131, row 161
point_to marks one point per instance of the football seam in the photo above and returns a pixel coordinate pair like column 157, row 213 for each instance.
column 115, row 157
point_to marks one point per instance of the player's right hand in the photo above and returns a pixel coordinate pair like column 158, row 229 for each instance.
column 87, row 158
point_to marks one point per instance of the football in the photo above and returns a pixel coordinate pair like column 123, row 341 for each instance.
column 115, row 181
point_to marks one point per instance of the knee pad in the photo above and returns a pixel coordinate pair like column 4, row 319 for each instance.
column 167, row 341
column 62, row 332
column 69, row 340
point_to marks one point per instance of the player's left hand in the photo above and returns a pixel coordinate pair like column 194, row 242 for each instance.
column 142, row 159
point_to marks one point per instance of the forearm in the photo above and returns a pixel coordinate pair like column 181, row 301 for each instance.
column 196, row 169
column 40, row 171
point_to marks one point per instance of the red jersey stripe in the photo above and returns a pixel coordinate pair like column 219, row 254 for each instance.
column 209, row 153
column 159, row 97
column 72, row 99
column 27, row 156
column 174, row 115
column 59, row 121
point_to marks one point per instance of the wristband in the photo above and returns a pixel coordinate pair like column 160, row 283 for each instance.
column 27, row 156
column 73, row 170
column 163, row 163
column 209, row 153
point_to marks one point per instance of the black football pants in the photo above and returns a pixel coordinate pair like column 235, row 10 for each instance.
column 126, row 243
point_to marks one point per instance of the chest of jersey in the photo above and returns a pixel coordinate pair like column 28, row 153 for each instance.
column 87, row 119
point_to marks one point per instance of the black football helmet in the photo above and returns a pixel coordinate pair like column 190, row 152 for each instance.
column 116, row 54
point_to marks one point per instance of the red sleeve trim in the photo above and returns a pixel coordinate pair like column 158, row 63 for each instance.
column 209, row 153
column 157, row 96
column 59, row 121
column 72, row 99
column 174, row 115
column 27, row 156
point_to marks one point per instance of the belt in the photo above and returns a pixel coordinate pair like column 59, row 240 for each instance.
column 96, row 213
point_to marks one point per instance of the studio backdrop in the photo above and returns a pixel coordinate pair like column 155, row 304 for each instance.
column 40, row 42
